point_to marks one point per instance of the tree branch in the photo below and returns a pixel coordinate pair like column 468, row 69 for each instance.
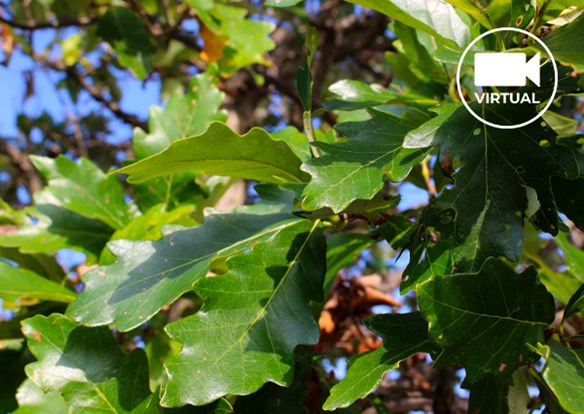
column 50, row 25
column 95, row 93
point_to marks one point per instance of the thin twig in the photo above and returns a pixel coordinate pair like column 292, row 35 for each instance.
column 56, row 24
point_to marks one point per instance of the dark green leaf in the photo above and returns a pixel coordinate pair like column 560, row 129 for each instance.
column 489, row 395
column 495, row 394
column 151, row 274
column 569, row 196
column 484, row 320
column 575, row 304
column 495, row 185
column 304, row 84
column 124, row 30
column 565, row 43
column 86, row 366
column 17, row 284
column 564, row 374
column 251, row 320
column 12, row 363
column 403, row 335
column 220, row 151
column 44, row 265
column 356, row 169
column 54, row 228
column 342, row 250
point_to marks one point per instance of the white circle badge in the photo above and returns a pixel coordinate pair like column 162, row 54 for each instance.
column 505, row 69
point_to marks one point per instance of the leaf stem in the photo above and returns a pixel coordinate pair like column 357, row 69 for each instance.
column 307, row 120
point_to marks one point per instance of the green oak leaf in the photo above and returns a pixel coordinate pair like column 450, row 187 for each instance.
column 563, row 373
column 474, row 9
column 17, row 283
column 575, row 304
column 272, row 399
column 496, row 186
column 353, row 94
column 32, row 400
column 573, row 256
column 343, row 249
column 356, row 169
column 522, row 12
column 124, row 30
column 148, row 226
column 251, row 321
column 49, row 227
column 281, row 3
column 41, row 264
column 494, row 394
column 564, row 43
column 431, row 247
column 84, row 189
column 86, row 366
column 569, row 196
column 484, row 321
column 151, row 274
column 403, row 335
column 246, row 39
column 184, row 115
column 220, row 151
column 435, row 17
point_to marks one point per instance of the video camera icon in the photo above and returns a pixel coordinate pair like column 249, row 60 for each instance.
column 505, row 69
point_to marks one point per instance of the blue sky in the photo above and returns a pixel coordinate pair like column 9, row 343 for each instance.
column 136, row 99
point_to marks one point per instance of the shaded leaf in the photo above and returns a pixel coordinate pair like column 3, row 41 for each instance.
column 569, row 196
column 484, row 320
column 495, row 185
column 17, row 284
column 495, row 394
column 565, row 43
column 46, row 228
column 124, row 30
column 220, row 151
column 151, row 274
column 251, row 321
column 575, row 304
column 356, row 169
column 403, row 335
column 86, row 366
column 148, row 226
column 84, row 189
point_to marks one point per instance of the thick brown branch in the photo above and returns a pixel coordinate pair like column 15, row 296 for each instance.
column 56, row 24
